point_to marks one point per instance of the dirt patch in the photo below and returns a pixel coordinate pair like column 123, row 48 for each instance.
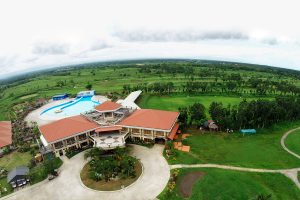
column 187, row 182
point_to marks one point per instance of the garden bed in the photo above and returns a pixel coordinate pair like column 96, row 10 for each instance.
column 111, row 185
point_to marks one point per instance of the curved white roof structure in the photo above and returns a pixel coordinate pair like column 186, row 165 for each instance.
column 128, row 102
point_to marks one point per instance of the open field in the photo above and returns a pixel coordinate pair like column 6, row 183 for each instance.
column 224, row 184
column 292, row 142
column 262, row 150
column 15, row 159
column 173, row 102
column 107, row 79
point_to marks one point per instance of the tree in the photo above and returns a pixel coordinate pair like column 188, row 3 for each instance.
column 217, row 112
column 89, row 86
column 197, row 113
column 183, row 117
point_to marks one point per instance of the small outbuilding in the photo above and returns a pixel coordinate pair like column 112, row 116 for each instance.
column 18, row 176
column 211, row 125
column 248, row 131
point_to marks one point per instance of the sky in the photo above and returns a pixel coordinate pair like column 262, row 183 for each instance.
column 39, row 34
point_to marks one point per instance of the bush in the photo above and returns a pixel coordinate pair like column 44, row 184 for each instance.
column 40, row 172
column 71, row 153
column 24, row 148
column 140, row 142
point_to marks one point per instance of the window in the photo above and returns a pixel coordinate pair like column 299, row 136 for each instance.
column 58, row 145
column 160, row 133
column 134, row 130
column 147, row 132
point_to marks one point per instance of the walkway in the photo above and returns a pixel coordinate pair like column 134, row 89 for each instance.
column 68, row 185
column 290, row 173
column 283, row 145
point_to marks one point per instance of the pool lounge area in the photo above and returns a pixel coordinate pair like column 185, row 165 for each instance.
column 70, row 108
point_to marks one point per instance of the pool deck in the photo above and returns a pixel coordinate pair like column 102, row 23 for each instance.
column 35, row 116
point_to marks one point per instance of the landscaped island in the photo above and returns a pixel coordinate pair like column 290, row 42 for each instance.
column 113, row 171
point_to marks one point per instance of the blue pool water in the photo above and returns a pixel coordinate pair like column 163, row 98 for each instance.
column 71, row 108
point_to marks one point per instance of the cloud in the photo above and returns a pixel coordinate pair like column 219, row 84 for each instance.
column 178, row 36
column 50, row 49
column 270, row 41
column 100, row 45
column 8, row 61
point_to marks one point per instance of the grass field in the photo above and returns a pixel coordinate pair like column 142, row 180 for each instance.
column 15, row 159
column 111, row 79
column 228, row 185
column 173, row 102
column 4, row 184
column 262, row 150
column 293, row 142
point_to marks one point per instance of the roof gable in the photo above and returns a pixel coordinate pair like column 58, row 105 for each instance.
column 66, row 127
column 5, row 133
column 108, row 106
column 18, row 171
column 153, row 119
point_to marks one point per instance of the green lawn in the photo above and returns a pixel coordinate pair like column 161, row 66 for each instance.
column 292, row 142
column 173, row 102
column 227, row 185
column 262, row 150
column 15, row 159
column 4, row 184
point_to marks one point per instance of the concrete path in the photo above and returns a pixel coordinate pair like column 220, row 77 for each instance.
column 290, row 173
column 283, row 144
column 68, row 185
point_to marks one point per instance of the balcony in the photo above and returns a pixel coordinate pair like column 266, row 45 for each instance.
column 82, row 138
column 70, row 142
column 59, row 146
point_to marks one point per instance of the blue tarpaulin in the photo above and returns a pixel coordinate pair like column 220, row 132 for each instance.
column 248, row 131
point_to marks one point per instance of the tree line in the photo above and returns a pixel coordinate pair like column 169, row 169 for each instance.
column 259, row 113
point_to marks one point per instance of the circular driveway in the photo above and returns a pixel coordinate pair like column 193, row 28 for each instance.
column 69, row 186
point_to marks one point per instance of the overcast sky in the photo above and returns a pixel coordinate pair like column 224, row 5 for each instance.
column 37, row 34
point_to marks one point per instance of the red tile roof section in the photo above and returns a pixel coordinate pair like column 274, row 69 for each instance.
column 5, row 133
column 110, row 128
column 173, row 132
column 153, row 119
column 66, row 127
column 108, row 106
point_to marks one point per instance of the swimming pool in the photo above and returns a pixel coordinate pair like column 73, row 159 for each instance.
column 71, row 108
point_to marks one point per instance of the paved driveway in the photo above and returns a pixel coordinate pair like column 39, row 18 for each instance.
column 68, row 185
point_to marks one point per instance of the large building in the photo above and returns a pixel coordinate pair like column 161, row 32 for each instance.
column 107, row 127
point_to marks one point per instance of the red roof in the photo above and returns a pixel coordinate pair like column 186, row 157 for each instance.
column 110, row 128
column 173, row 132
column 66, row 127
column 153, row 119
column 5, row 133
column 108, row 106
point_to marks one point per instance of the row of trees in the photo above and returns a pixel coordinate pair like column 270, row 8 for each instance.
column 255, row 87
column 253, row 114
